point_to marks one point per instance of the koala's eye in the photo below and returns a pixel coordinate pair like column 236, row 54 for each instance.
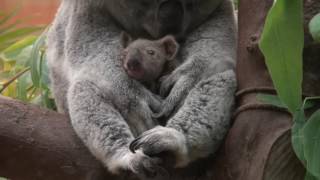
column 150, row 52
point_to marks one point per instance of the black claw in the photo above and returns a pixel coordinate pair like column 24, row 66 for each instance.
column 133, row 145
column 131, row 148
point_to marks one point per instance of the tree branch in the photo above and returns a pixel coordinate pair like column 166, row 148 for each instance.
column 40, row 144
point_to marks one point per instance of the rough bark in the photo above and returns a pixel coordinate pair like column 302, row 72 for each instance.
column 40, row 144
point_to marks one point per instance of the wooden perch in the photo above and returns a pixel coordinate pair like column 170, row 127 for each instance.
column 38, row 144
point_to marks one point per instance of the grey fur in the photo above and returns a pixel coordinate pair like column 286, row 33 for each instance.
column 108, row 110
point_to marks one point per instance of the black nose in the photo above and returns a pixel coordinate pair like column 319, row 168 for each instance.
column 133, row 64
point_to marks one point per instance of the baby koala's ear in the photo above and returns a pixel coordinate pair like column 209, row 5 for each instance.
column 170, row 45
column 125, row 39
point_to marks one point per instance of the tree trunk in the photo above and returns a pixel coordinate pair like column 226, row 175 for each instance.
column 40, row 144
column 258, row 146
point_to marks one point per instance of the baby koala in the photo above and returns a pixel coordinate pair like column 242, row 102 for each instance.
column 148, row 60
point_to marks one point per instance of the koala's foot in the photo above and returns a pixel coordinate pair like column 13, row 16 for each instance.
column 146, row 167
column 138, row 163
column 162, row 142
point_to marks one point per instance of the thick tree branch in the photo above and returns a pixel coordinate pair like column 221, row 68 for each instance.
column 40, row 144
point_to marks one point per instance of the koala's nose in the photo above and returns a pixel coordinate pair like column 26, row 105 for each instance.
column 133, row 64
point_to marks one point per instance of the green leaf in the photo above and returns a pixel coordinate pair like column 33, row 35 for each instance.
column 275, row 101
column 23, row 59
column 13, row 35
column 12, row 52
column 314, row 27
column 309, row 176
column 271, row 99
column 297, row 136
column 46, row 100
column 22, row 87
column 35, row 62
column 282, row 45
column 311, row 144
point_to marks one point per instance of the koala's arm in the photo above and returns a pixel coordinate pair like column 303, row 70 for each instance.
column 100, row 126
column 204, row 85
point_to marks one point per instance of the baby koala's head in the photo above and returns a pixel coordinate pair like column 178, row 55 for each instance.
column 144, row 60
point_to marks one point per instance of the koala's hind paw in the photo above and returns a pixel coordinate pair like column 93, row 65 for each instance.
column 146, row 167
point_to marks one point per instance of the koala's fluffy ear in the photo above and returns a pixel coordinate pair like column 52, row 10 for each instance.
column 125, row 39
column 170, row 45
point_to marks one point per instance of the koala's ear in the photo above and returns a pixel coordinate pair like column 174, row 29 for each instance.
column 170, row 45
column 125, row 39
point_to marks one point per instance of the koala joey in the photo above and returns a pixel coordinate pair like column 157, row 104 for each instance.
column 148, row 60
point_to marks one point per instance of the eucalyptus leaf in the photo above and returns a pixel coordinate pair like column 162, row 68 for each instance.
column 44, row 78
column 297, row 136
column 12, row 52
column 271, row 99
column 35, row 60
column 275, row 101
column 22, row 86
column 314, row 27
column 11, row 36
column 282, row 45
column 311, row 144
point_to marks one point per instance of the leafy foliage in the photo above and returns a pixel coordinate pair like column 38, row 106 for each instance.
column 23, row 70
column 282, row 46
column 314, row 27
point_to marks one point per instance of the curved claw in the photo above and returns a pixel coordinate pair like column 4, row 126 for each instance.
column 133, row 145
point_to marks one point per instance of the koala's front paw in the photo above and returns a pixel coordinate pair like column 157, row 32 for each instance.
column 146, row 167
column 178, row 92
column 167, row 82
column 162, row 142
column 166, row 109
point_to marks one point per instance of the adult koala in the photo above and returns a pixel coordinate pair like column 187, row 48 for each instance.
column 108, row 110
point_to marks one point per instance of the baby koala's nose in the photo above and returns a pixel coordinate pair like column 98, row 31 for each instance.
column 133, row 64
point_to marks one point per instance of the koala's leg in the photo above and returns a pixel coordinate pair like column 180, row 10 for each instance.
column 200, row 124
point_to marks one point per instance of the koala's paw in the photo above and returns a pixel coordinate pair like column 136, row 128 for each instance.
column 146, row 167
column 167, row 82
column 166, row 109
column 165, row 143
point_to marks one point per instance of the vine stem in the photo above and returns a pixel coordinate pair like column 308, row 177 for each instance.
column 6, row 84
